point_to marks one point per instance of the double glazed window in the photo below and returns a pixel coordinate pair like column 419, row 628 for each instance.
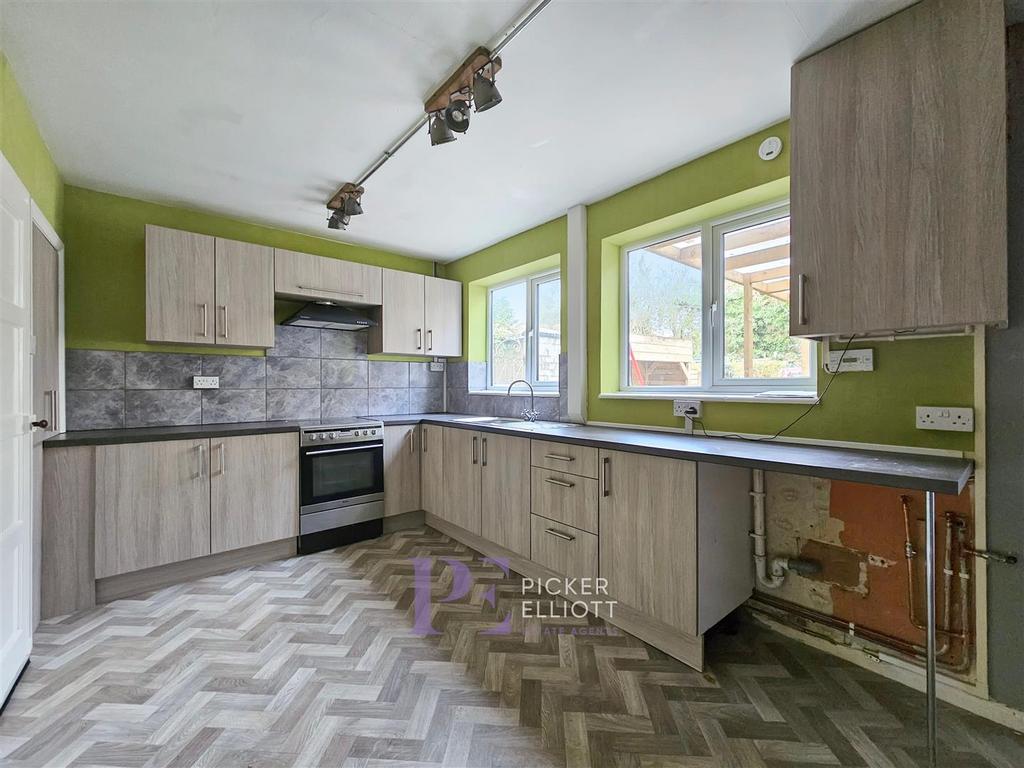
column 707, row 309
column 524, row 338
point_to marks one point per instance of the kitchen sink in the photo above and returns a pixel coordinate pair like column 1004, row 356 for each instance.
column 504, row 421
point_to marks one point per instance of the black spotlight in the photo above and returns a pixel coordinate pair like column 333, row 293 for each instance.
column 440, row 133
column 456, row 115
column 352, row 206
column 338, row 220
column 485, row 92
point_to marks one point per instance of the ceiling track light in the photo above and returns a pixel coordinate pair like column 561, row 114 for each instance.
column 471, row 83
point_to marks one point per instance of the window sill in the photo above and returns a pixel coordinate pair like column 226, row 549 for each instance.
column 725, row 397
column 515, row 392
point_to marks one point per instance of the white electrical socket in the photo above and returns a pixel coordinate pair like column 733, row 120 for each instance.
column 853, row 360
column 690, row 409
column 945, row 418
column 206, row 382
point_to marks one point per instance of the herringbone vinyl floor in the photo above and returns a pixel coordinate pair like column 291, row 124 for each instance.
column 313, row 662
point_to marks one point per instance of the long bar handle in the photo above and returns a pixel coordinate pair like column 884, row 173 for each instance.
column 559, row 534
column 484, row 462
column 412, row 441
column 430, row 339
column 328, row 290
column 419, row 338
column 801, row 302
column 222, row 465
column 224, row 325
column 423, row 438
column 54, row 410
column 606, row 478
column 556, row 457
column 206, row 319
column 201, row 454
column 560, row 483
column 362, row 447
column 474, row 450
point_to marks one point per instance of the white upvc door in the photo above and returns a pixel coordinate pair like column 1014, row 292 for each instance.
column 15, row 427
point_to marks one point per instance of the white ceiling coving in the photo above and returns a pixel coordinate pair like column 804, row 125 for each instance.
column 260, row 110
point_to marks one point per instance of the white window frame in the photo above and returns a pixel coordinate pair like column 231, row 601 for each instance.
column 533, row 283
column 713, row 380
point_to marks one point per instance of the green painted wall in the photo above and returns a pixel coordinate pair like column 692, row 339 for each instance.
column 105, row 264
column 875, row 407
column 26, row 151
column 539, row 248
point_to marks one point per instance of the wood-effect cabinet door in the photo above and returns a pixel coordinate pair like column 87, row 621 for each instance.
column 360, row 283
column 432, row 469
column 152, row 504
column 505, row 491
column 46, row 329
column 442, row 306
column 401, row 469
column 245, row 294
column 462, row 478
column 899, row 175
column 648, row 541
column 179, row 286
column 254, row 490
column 401, row 328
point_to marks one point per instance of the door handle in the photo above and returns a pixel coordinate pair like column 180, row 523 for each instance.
column 423, row 439
column 54, row 409
column 419, row 338
column 606, row 479
column 221, row 460
column 224, row 315
column 206, row 320
column 560, row 483
column 474, row 451
column 201, row 454
column 556, row 457
column 801, row 302
column 430, row 339
column 484, row 462
column 559, row 534
column 412, row 441
column 41, row 424
column 328, row 290
column 361, row 447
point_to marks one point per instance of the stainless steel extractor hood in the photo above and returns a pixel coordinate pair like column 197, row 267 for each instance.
column 319, row 314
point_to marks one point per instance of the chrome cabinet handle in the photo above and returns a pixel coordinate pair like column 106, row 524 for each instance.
column 412, row 441
column 430, row 339
column 327, row 290
column 423, row 439
column 474, row 451
column 484, row 462
column 362, row 447
column 224, row 325
column 560, row 483
column 221, row 461
column 206, row 320
column 419, row 338
column 201, row 454
column 801, row 304
column 53, row 409
column 556, row 457
column 559, row 534
column 607, row 476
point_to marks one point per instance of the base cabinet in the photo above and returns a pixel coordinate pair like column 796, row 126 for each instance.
column 401, row 469
column 152, row 504
column 648, row 541
column 505, row 491
column 432, row 469
column 254, row 490
column 462, row 478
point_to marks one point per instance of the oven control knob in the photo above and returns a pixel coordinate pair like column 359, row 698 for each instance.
column 373, row 431
column 364, row 432
column 333, row 435
column 312, row 436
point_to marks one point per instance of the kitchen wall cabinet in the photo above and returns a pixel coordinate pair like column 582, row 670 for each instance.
column 505, row 491
column 306, row 276
column 180, row 296
column 401, row 469
column 442, row 307
column 898, row 166
column 245, row 294
column 419, row 315
column 462, row 478
column 152, row 504
column 432, row 469
column 254, row 490
column 648, row 541
column 207, row 290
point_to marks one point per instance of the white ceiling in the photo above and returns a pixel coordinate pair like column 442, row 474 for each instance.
column 261, row 109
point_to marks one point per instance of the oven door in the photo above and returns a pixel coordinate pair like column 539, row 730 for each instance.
column 341, row 475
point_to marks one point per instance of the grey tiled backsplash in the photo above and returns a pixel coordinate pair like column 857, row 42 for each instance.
column 466, row 377
column 308, row 374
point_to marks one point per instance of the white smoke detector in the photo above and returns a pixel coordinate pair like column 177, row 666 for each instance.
column 770, row 148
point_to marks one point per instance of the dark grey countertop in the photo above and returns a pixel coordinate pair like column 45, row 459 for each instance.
column 915, row 471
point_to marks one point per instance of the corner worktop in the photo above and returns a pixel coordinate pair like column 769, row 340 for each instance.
column 915, row 471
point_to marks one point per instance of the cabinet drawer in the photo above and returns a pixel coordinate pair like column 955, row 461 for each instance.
column 565, row 457
column 562, row 548
column 566, row 498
